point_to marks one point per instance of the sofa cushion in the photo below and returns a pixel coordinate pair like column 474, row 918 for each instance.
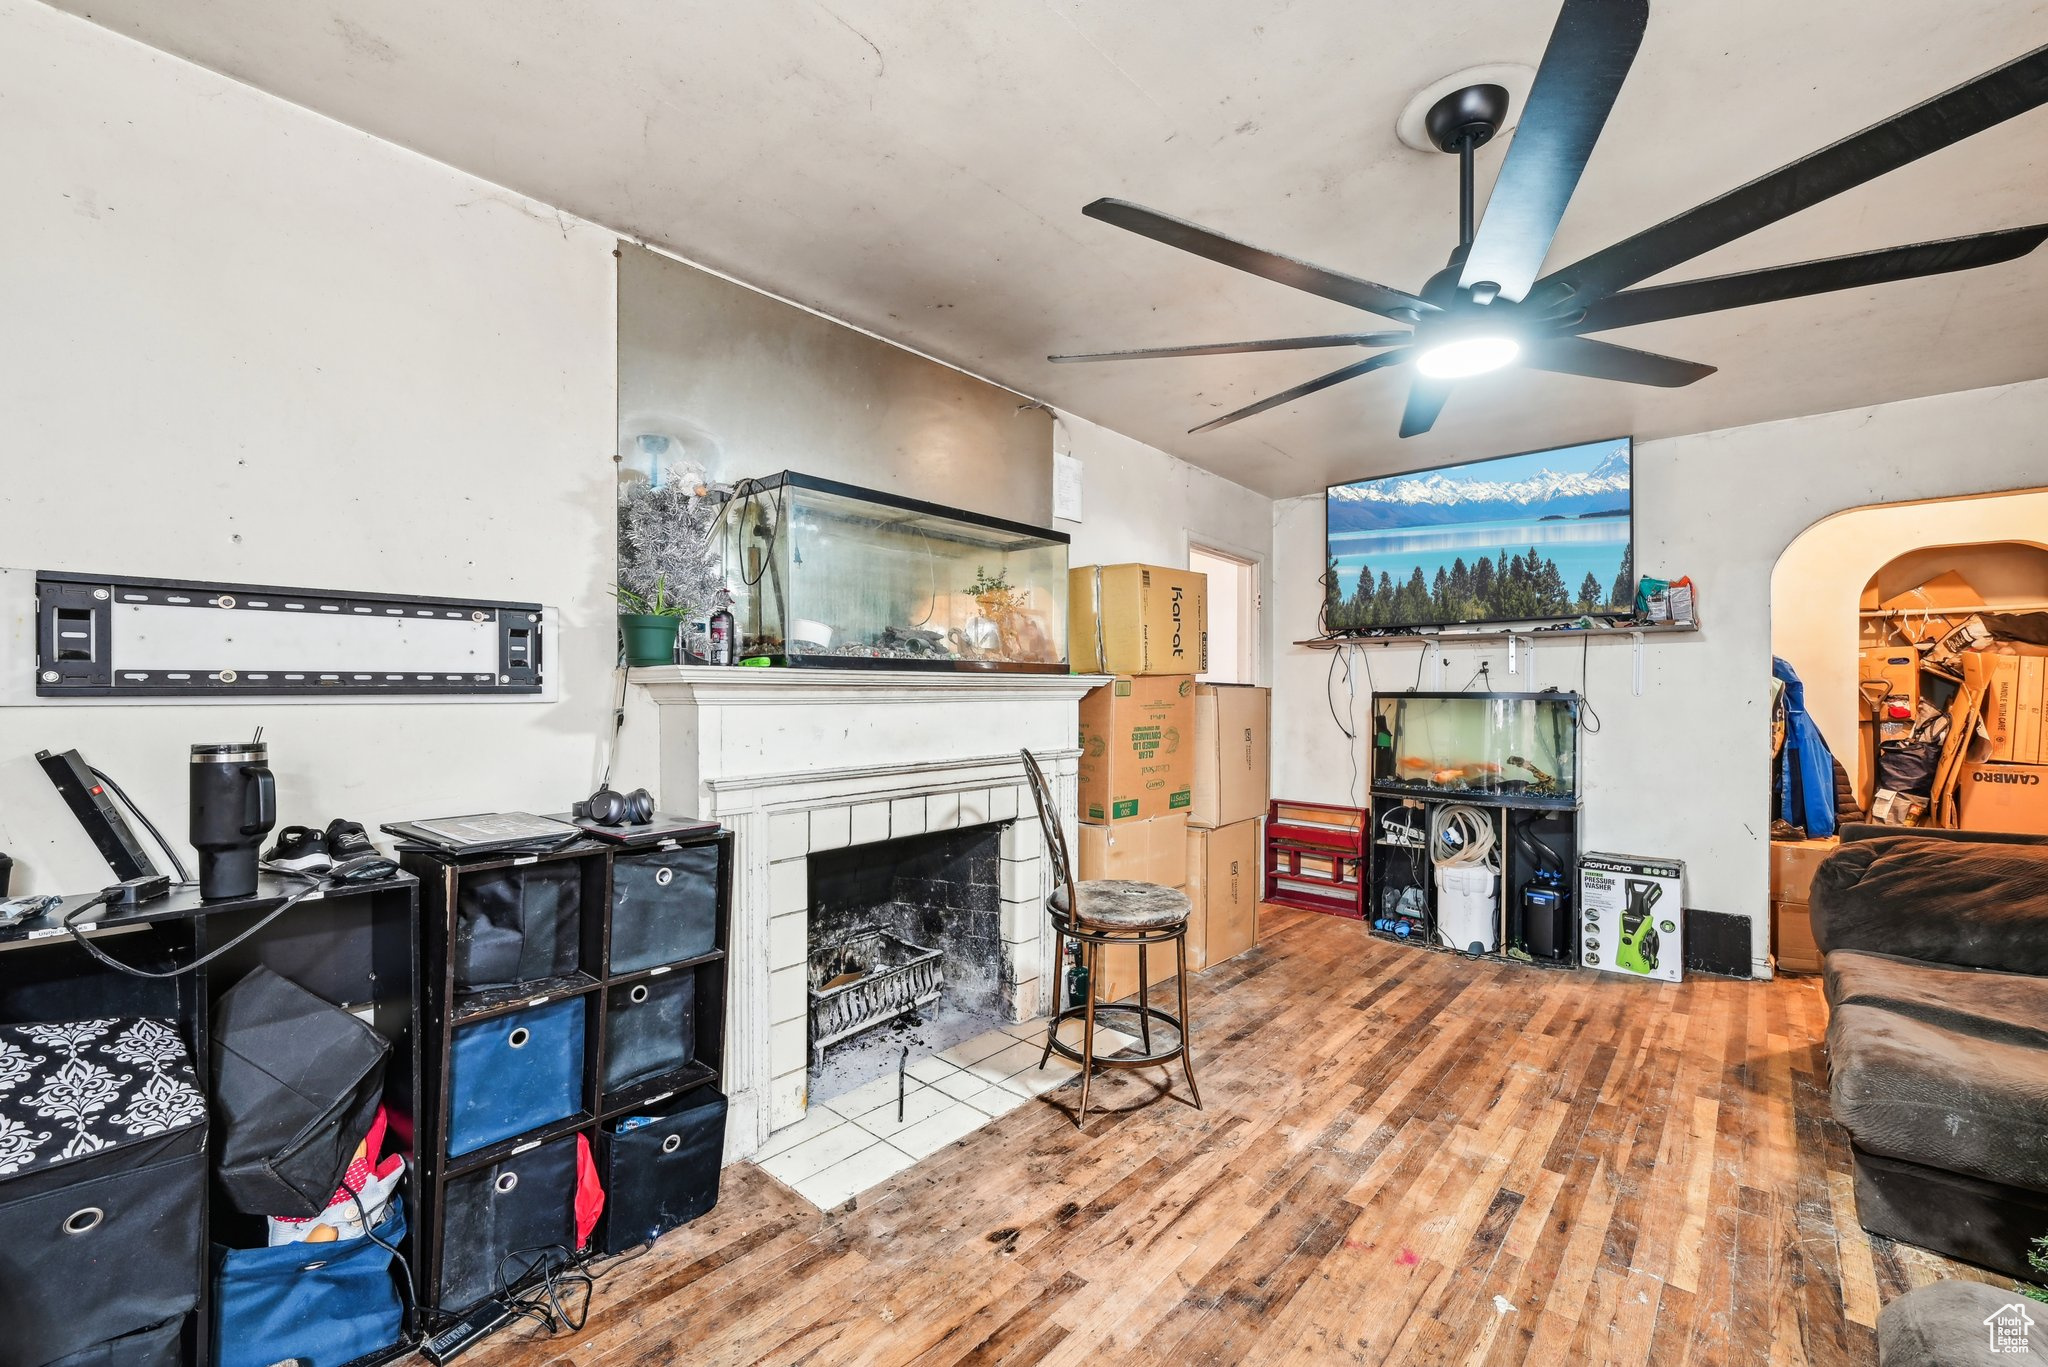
column 1925, row 1093
column 1981, row 904
column 1944, row 1325
column 1972, row 1001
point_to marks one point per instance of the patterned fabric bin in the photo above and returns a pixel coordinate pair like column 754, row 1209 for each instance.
column 102, row 1176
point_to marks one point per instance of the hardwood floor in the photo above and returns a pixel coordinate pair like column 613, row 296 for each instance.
column 1406, row 1158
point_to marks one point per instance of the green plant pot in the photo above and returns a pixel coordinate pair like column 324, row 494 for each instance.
column 650, row 640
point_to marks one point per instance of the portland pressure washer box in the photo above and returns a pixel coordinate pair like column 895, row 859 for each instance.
column 1632, row 915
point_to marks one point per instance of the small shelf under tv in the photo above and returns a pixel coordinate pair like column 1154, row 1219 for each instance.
column 1481, row 636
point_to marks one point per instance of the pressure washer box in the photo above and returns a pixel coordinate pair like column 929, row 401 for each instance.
column 1632, row 915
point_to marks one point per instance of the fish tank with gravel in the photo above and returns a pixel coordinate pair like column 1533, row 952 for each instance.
column 829, row 576
column 1518, row 749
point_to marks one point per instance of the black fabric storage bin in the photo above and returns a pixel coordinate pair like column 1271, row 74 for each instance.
column 519, row 925
column 650, row 1028
column 664, row 1174
column 664, row 906
column 102, row 1176
column 526, row 1202
column 160, row 1345
column 296, row 1081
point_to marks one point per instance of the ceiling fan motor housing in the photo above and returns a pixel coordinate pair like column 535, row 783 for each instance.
column 1468, row 117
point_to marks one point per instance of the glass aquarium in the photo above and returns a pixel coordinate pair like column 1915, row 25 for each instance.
column 827, row 575
column 1519, row 748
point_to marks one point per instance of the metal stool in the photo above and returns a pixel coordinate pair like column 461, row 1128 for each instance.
column 1111, row 912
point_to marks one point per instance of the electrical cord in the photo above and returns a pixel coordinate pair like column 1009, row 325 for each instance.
column 1589, row 720
column 370, row 1230
column 315, row 883
column 544, row 1303
column 618, row 723
column 176, row 863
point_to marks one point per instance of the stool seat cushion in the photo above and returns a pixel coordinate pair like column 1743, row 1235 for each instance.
column 1119, row 904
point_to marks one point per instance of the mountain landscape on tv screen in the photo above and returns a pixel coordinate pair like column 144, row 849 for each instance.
column 1522, row 538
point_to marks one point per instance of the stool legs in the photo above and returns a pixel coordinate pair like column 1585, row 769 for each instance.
column 1087, row 1035
column 1187, row 1025
column 1144, row 1001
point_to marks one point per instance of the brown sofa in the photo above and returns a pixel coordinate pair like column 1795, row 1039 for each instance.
column 1936, row 963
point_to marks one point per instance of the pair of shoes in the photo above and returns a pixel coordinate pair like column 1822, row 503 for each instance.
column 307, row 850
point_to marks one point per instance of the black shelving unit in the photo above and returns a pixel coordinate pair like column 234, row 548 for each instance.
column 357, row 948
column 605, row 995
column 1524, row 806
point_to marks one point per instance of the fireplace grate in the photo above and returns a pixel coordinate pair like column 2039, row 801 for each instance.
column 866, row 979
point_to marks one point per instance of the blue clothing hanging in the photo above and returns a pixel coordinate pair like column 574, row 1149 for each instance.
column 1805, row 780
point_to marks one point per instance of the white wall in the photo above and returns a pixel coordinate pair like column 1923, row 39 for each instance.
column 242, row 342
column 1818, row 584
column 1683, row 770
column 1140, row 504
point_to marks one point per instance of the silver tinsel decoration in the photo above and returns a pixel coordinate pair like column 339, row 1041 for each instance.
column 665, row 539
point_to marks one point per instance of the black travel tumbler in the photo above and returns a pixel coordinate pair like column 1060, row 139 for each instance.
column 234, row 805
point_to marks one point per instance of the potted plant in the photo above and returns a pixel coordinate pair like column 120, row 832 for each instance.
column 648, row 624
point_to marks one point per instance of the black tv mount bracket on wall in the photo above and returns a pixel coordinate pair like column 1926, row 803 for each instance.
column 115, row 636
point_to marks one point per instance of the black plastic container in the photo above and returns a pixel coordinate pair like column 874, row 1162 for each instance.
column 234, row 805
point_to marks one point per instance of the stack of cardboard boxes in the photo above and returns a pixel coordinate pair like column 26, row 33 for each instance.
column 1792, row 867
column 1172, row 775
column 2008, row 789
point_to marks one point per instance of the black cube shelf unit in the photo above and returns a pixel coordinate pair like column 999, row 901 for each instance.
column 622, row 1000
column 1400, row 859
column 355, row 947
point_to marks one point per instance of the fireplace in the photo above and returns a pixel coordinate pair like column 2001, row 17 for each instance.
column 806, row 766
column 905, row 952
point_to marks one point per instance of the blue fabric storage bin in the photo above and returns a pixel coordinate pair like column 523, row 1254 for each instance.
column 513, row 1073
column 325, row 1304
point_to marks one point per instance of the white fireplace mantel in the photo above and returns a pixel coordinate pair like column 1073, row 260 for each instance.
column 798, row 760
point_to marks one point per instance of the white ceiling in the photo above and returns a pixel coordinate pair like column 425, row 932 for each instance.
column 918, row 168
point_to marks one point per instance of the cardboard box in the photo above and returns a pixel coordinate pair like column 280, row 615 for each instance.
column 1899, row 667
column 1154, row 851
column 1946, row 592
column 1137, row 749
column 1223, row 885
column 2001, row 703
column 2026, row 743
column 1632, row 915
column 1137, row 619
column 1232, row 726
column 2003, row 797
column 1792, row 867
column 1792, row 943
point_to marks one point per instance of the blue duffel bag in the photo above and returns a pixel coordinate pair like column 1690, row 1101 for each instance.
column 514, row 1073
column 324, row 1304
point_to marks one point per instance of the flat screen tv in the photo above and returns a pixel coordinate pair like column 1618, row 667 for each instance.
column 1541, row 536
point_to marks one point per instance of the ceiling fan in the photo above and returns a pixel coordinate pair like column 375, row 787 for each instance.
column 1489, row 308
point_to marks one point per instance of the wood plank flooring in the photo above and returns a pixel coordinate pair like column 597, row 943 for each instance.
column 1407, row 1158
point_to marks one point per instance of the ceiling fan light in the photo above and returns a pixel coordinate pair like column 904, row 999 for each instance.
column 1454, row 360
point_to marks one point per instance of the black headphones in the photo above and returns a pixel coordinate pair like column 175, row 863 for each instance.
column 607, row 808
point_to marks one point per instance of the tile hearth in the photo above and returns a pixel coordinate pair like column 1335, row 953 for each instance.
column 845, row 1146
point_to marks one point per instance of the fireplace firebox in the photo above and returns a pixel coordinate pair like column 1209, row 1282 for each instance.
column 905, row 952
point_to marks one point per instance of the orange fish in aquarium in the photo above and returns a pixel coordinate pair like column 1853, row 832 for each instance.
column 1417, row 763
column 1446, row 777
column 1480, row 769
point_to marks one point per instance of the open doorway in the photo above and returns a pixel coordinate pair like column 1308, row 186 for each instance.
column 1234, row 606
column 1862, row 602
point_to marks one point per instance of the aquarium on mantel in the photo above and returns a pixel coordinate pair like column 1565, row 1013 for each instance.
column 829, row 576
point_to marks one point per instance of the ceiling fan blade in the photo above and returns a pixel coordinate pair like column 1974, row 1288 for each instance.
column 1350, row 372
column 1972, row 107
column 1285, row 270
column 1368, row 339
column 1425, row 401
column 1691, row 297
column 1590, row 52
column 1606, row 361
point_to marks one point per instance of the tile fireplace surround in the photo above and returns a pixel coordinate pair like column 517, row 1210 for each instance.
column 797, row 760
